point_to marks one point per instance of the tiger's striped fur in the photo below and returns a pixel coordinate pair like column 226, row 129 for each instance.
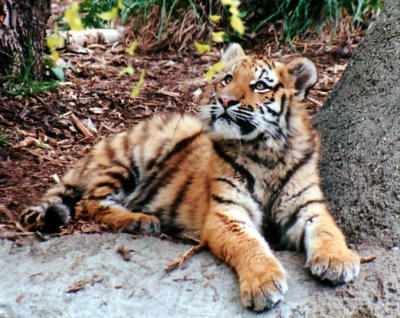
column 246, row 166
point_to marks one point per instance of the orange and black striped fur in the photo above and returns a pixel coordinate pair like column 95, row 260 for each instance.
column 246, row 165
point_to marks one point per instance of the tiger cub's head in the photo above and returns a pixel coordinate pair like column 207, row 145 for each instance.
column 253, row 95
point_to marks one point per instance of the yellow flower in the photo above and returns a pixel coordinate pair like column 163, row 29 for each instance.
column 217, row 67
column 131, row 48
column 234, row 11
column 237, row 24
column 54, row 42
column 218, row 36
column 232, row 3
column 226, row 2
column 136, row 90
column 109, row 15
column 55, row 55
column 215, row 18
column 127, row 70
column 72, row 18
column 209, row 74
column 202, row 48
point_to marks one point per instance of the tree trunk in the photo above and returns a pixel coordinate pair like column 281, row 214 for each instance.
column 22, row 34
column 360, row 128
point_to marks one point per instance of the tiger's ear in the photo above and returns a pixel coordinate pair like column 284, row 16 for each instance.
column 232, row 53
column 303, row 73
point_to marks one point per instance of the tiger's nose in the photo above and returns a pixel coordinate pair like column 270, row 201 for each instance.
column 228, row 101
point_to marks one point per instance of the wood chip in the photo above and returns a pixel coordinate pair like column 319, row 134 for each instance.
column 168, row 93
column 13, row 218
column 83, row 129
column 126, row 254
column 367, row 259
column 19, row 298
column 77, row 286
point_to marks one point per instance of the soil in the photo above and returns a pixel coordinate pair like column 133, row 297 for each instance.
column 49, row 132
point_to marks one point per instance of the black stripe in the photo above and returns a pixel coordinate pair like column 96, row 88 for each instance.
column 177, row 148
column 277, row 86
column 287, row 118
column 294, row 216
column 268, row 213
column 283, row 101
column 127, row 183
column 152, row 162
column 266, row 163
column 271, row 111
column 153, row 187
column 110, row 185
column 222, row 200
column 239, row 168
column 179, row 199
column 226, row 181
column 182, row 145
column 231, row 202
column 302, row 246
column 298, row 194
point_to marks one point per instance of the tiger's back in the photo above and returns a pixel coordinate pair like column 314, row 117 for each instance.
column 249, row 165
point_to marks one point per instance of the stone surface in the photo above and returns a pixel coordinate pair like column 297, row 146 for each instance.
column 36, row 276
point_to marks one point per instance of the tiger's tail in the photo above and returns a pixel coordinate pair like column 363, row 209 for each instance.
column 57, row 207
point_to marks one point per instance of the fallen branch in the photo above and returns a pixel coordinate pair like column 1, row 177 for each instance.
column 367, row 259
column 177, row 262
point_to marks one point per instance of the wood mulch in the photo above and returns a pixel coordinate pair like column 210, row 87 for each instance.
column 51, row 131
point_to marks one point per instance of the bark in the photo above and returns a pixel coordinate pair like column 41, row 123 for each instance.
column 360, row 128
column 22, row 34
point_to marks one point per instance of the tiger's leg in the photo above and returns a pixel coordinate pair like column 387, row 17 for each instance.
column 328, row 256
column 232, row 237
column 102, row 204
column 115, row 216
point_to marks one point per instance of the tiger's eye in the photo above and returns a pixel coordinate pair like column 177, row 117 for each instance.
column 227, row 79
column 260, row 85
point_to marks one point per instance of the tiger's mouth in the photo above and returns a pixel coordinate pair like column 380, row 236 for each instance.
column 245, row 126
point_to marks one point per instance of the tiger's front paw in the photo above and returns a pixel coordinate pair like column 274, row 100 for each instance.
column 336, row 265
column 263, row 286
column 140, row 222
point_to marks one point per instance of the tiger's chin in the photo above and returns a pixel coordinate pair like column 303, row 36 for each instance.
column 224, row 128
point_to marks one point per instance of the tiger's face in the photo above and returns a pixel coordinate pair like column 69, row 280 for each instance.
column 253, row 95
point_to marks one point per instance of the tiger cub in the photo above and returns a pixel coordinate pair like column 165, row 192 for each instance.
column 246, row 165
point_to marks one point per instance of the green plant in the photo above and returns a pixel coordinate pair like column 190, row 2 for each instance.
column 25, row 83
column 3, row 138
column 90, row 9
column 298, row 15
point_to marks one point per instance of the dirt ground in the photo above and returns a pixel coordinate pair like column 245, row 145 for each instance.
column 51, row 131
